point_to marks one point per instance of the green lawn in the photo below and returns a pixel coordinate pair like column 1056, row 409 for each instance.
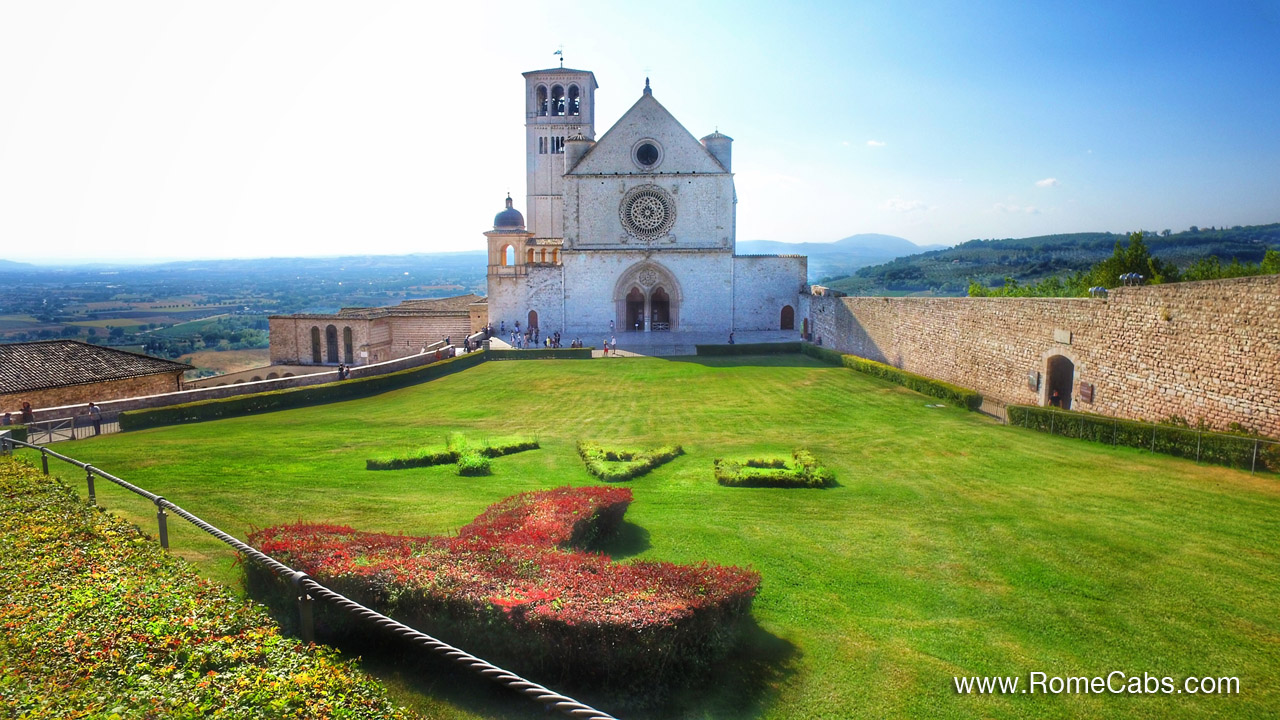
column 952, row 545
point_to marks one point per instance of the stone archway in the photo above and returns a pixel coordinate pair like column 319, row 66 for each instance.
column 1060, row 374
column 647, row 298
column 787, row 321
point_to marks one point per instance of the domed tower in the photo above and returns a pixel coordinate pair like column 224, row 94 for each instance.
column 559, row 104
column 509, row 242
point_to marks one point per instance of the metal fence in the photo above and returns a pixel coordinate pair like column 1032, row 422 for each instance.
column 43, row 432
column 1239, row 451
column 308, row 590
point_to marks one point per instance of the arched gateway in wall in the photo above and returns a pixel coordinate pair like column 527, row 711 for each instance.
column 647, row 299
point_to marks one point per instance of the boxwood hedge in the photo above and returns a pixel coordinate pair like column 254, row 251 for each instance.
column 294, row 397
column 749, row 349
column 1212, row 447
column 923, row 385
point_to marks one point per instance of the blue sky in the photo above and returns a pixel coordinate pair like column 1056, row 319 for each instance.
column 247, row 129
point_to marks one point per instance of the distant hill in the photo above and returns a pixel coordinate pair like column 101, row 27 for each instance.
column 11, row 266
column 842, row 257
column 949, row 271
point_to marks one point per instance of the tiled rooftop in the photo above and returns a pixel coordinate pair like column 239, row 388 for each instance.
column 56, row 363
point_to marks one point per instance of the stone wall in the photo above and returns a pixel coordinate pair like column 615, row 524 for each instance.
column 164, row 397
column 102, row 393
column 1202, row 351
column 762, row 286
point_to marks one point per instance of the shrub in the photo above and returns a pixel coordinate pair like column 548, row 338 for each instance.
column 294, row 397
column 1217, row 448
column 513, row 585
column 802, row 471
column 16, row 432
column 824, row 354
column 472, row 463
column 100, row 622
column 471, row 459
column 541, row 354
column 617, row 465
column 749, row 349
column 926, row 386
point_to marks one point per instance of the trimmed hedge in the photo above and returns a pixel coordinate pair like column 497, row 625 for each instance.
column 512, row 587
column 803, row 472
column 541, row 354
column 963, row 397
column 100, row 622
column 294, row 397
column 16, row 432
column 826, row 355
column 613, row 465
column 1211, row 447
column 472, row 459
column 749, row 349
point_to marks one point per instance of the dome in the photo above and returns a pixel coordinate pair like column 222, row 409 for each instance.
column 509, row 219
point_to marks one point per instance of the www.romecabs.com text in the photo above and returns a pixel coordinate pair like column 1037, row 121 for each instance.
column 1115, row 683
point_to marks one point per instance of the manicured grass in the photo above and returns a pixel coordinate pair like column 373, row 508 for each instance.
column 951, row 545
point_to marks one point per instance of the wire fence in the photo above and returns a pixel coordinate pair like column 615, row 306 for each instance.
column 308, row 590
column 1238, row 451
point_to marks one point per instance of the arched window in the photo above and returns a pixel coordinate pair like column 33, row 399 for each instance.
column 788, row 317
column 315, row 345
column 542, row 100
column 542, row 256
column 347, row 355
column 508, row 256
column 530, row 255
column 557, row 100
column 555, row 255
column 575, row 102
column 331, row 344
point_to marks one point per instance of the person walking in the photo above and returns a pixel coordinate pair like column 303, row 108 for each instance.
column 614, row 342
column 28, row 415
column 95, row 415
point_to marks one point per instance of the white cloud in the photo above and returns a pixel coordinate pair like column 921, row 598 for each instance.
column 903, row 206
column 876, row 143
column 844, row 143
column 1013, row 209
column 1047, row 182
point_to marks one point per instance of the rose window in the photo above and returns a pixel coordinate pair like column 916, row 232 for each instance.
column 648, row 212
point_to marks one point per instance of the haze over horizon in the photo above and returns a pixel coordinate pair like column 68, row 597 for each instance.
column 155, row 130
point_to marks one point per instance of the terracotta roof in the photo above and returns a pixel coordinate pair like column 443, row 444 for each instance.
column 57, row 363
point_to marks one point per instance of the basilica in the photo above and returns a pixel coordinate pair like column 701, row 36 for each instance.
column 631, row 233
column 634, row 231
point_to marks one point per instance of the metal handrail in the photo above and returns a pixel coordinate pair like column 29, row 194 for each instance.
column 308, row 590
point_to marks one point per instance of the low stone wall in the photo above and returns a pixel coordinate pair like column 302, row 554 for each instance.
column 1201, row 351
column 243, row 388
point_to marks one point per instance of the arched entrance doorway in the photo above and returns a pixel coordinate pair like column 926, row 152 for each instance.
column 1059, row 381
column 331, row 344
column 647, row 299
column 660, row 310
column 634, row 320
column 788, row 318
column 533, row 319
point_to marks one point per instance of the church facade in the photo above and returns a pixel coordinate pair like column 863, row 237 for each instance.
column 635, row 231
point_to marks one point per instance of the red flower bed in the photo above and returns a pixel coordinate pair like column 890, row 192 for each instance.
column 511, row 585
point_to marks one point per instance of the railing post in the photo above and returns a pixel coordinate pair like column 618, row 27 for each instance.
column 1254, row 467
column 163, row 522
column 1153, row 438
column 44, row 460
column 88, row 476
column 1198, row 434
column 306, row 614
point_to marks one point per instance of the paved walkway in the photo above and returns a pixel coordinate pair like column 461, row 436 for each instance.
column 667, row 344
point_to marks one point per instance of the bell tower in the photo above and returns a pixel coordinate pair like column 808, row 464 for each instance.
column 559, row 104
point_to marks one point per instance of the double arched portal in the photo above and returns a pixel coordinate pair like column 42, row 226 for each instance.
column 647, row 299
column 329, row 354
